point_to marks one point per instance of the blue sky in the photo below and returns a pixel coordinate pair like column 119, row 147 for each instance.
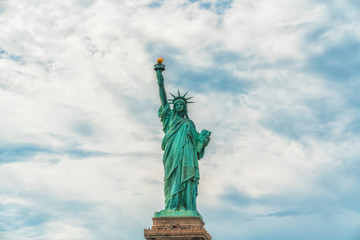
column 276, row 82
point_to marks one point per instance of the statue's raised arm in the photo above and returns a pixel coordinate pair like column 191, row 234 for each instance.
column 159, row 68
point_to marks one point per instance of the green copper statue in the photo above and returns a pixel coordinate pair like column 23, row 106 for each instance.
column 183, row 146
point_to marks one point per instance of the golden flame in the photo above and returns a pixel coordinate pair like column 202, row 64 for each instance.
column 160, row 60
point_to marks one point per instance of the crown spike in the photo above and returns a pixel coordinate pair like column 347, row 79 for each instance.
column 178, row 97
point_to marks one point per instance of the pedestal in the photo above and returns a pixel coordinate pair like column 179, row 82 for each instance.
column 177, row 228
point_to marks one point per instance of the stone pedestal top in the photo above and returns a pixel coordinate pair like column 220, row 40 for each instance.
column 177, row 228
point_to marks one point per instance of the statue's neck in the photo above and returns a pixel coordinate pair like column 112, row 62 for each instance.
column 180, row 114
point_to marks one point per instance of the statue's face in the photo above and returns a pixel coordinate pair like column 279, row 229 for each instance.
column 180, row 106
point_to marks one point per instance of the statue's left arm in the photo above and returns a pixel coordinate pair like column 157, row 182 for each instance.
column 203, row 140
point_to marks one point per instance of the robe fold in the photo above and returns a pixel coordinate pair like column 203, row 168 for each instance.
column 181, row 154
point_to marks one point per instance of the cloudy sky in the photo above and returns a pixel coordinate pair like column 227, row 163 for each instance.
column 276, row 82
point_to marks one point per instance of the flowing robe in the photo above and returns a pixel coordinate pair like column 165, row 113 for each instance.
column 182, row 149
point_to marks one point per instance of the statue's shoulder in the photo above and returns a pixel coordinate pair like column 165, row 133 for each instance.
column 191, row 123
column 165, row 111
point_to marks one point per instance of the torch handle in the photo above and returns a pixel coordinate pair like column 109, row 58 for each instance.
column 159, row 66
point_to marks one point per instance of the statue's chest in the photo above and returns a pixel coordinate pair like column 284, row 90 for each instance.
column 180, row 123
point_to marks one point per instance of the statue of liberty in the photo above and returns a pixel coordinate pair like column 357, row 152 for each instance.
column 183, row 146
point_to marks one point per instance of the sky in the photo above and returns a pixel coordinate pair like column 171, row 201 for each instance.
column 276, row 82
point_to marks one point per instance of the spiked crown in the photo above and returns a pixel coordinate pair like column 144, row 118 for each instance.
column 180, row 98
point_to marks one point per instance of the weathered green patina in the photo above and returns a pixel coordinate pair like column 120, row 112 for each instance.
column 183, row 146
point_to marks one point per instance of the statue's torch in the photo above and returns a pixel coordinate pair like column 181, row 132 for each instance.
column 159, row 65
column 159, row 68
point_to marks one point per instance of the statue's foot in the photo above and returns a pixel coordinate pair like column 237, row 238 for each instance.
column 179, row 213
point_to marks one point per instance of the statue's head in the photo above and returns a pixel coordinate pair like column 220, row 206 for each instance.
column 180, row 103
column 180, row 106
